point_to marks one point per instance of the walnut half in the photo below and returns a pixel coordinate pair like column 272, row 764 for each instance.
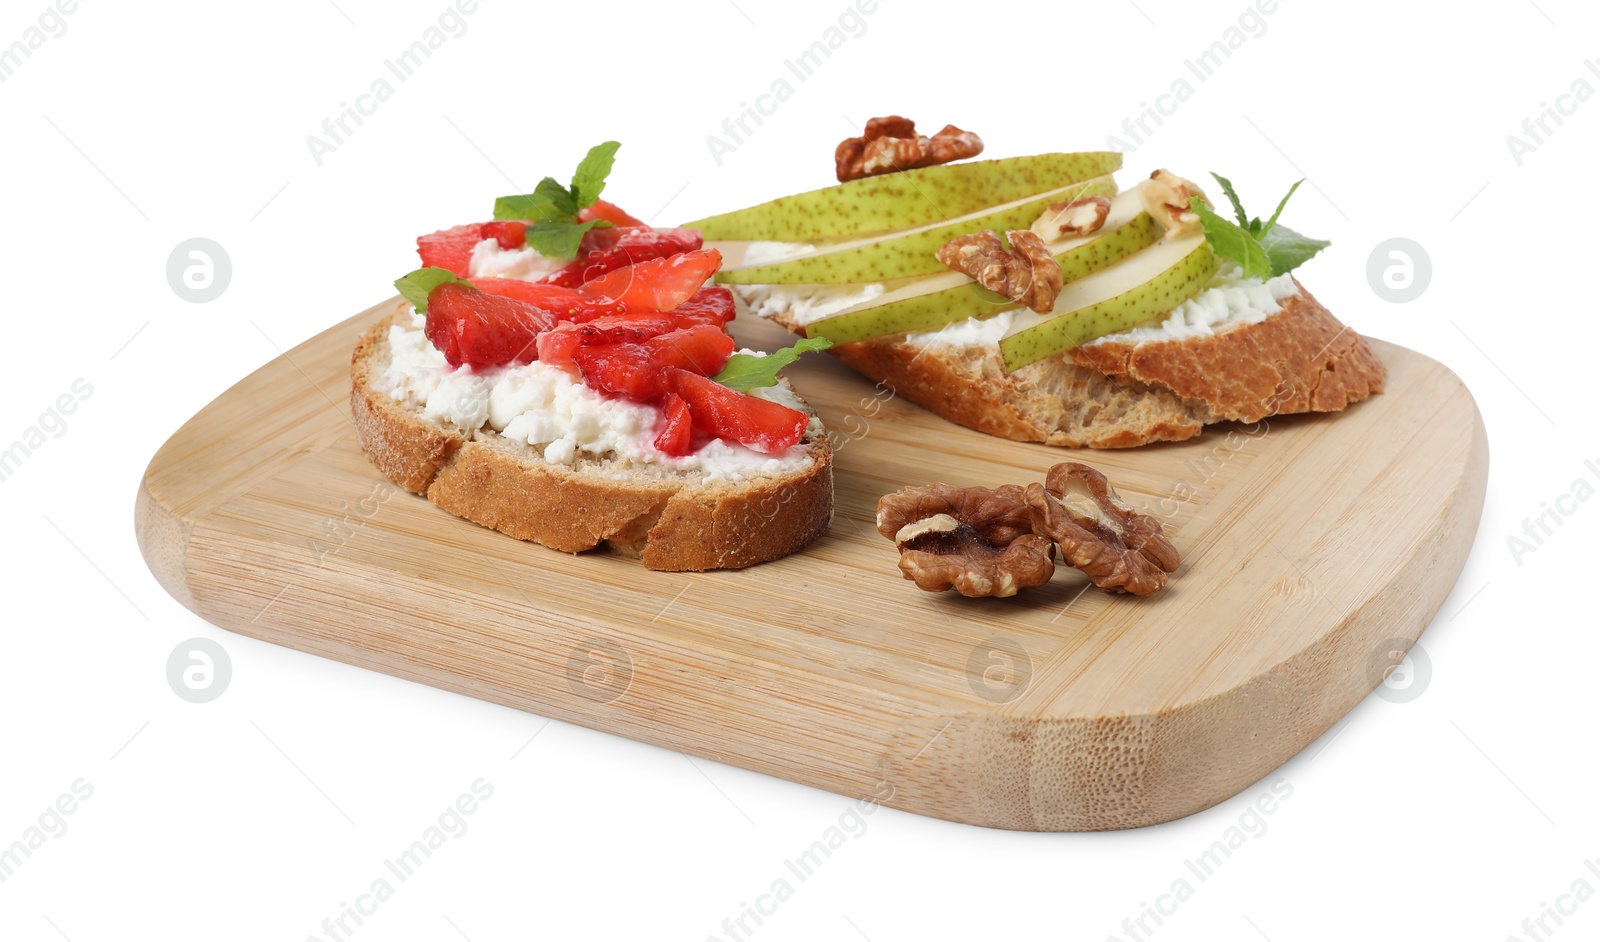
column 892, row 143
column 1074, row 218
column 1114, row 545
column 975, row 540
column 1166, row 198
column 1028, row 274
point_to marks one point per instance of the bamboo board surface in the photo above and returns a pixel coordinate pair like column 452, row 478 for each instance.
column 1311, row 545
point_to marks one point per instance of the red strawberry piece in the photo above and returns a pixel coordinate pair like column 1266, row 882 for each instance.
column 677, row 434
column 473, row 328
column 707, row 306
column 610, row 212
column 450, row 249
column 511, row 234
column 626, row 370
column 557, row 346
column 599, row 239
column 611, row 249
column 565, row 303
column 763, row 425
column 702, row 349
column 659, row 284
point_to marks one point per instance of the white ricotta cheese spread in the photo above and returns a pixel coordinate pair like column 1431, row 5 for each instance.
column 766, row 253
column 489, row 260
column 807, row 303
column 553, row 412
column 1229, row 300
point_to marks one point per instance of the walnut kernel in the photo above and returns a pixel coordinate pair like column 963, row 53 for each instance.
column 1097, row 532
column 975, row 540
column 1074, row 218
column 891, row 143
column 1028, row 274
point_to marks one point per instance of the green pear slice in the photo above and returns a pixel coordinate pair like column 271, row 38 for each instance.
column 942, row 299
column 1145, row 286
column 904, row 200
column 898, row 254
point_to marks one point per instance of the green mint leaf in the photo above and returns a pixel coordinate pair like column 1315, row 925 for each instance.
column 560, row 197
column 1279, row 211
column 560, row 239
column 1238, row 207
column 416, row 286
column 1231, row 241
column 589, row 180
column 530, row 207
column 1288, row 249
column 745, row 372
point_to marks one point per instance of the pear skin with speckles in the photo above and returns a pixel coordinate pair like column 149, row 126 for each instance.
column 904, row 200
column 942, row 300
column 908, row 253
column 1146, row 286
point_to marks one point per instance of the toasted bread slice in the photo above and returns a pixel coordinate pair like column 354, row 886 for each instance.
column 1120, row 395
column 672, row 519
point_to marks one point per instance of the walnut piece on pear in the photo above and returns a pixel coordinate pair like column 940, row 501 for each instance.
column 1028, row 274
column 1166, row 198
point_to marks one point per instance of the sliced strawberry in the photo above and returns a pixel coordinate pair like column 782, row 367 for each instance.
column 623, row 328
column 556, row 348
column 702, row 349
column 677, row 435
column 657, row 285
column 474, row 328
column 610, row 212
column 565, row 303
column 707, row 306
column 510, row 234
column 611, row 249
column 450, row 249
column 626, row 370
column 763, row 425
column 602, row 239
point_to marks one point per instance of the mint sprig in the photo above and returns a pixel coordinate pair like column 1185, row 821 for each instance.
column 744, row 372
column 560, row 239
column 589, row 180
column 553, row 209
column 1262, row 249
column 416, row 286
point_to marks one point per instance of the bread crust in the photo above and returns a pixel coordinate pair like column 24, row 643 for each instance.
column 671, row 524
column 1300, row 360
column 1123, row 395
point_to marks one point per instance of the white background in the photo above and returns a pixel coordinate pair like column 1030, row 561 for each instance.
column 1456, row 815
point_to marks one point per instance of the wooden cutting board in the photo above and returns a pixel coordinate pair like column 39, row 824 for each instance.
column 1314, row 548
